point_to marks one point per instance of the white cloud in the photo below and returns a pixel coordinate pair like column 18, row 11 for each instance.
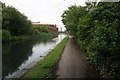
column 45, row 11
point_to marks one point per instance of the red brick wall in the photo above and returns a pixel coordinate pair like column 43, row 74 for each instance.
column 51, row 28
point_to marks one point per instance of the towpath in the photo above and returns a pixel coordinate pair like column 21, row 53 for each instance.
column 73, row 63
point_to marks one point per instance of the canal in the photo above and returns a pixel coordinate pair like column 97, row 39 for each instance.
column 19, row 55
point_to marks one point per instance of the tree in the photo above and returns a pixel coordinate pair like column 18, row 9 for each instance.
column 44, row 28
column 91, row 4
column 38, row 29
column 71, row 17
column 98, row 33
column 14, row 21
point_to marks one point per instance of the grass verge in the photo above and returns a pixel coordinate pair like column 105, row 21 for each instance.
column 23, row 37
column 43, row 68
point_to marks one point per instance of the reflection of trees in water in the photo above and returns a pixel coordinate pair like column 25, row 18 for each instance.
column 15, row 53
column 14, row 57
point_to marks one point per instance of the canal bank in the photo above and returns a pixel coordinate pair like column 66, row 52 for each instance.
column 21, row 56
column 43, row 68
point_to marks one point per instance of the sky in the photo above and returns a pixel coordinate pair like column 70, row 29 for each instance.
column 45, row 11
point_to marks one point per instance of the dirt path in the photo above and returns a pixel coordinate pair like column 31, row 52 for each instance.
column 73, row 64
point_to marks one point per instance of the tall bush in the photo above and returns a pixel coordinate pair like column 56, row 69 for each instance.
column 6, row 35
column 98, row 33
column 14, row 21
column 38, row 29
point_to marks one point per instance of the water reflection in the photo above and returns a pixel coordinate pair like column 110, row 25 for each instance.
column 17, row 55
column 13, row 54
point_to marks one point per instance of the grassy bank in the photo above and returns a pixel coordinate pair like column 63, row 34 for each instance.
column 43, row 68
column 30, row 36
column 22, row 37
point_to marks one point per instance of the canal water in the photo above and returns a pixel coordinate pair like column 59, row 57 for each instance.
column 20, row 55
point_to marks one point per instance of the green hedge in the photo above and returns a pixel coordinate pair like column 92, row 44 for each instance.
column 98, row 33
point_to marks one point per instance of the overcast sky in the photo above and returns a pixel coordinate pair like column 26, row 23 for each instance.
column 45, row 11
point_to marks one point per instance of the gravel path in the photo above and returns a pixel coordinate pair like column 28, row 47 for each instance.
column 73, row 63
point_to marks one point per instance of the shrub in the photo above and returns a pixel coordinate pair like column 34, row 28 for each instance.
column 15, row 22
column 99, row 37
column 38, row 29
column 98, row 33
column 104, row 47
column 5, row 35
column 44, row 28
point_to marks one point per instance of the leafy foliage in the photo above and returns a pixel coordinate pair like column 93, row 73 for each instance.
column 38, row 29
column 6, row 35
column 98, row 33
column 71, row 17
column 44, row 29
column 14, row 21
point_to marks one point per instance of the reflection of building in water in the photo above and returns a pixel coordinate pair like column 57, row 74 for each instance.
column 52, row 28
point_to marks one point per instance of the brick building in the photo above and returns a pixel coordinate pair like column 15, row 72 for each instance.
column 52, row 28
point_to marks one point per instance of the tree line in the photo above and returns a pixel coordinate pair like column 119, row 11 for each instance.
column 15, row 24
column 96, row 27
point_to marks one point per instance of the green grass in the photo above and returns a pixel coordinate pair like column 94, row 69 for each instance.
column 22, row 37
column 43, row 68
column 13, row 38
